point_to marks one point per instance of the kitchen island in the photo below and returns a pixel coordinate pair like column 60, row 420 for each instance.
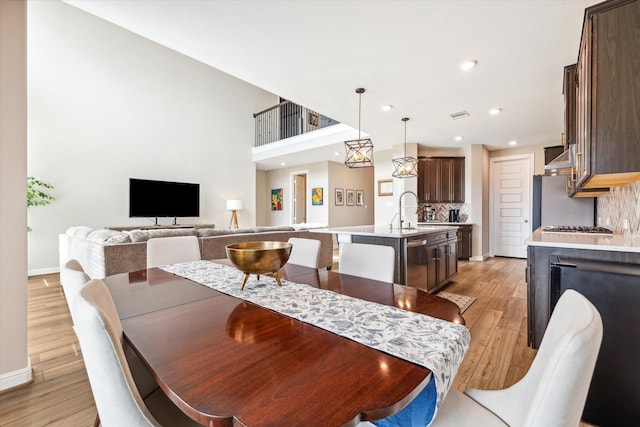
column 606, row 270
column 425, row 256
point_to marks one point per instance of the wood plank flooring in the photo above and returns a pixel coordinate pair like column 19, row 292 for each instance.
column 60, row 394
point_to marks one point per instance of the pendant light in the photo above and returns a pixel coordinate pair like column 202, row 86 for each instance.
column 405, row 167
column 359, row 151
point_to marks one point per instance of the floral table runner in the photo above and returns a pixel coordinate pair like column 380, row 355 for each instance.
column 435, row 344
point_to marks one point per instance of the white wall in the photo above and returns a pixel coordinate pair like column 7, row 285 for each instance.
column 317, row 177
column 106, row 105
column 15, row 368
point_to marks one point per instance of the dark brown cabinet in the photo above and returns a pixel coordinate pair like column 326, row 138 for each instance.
column 442, row 260
column 611, row 281
column 441, row 179
column 608, row 96
column 464, row 241
column 570, row 132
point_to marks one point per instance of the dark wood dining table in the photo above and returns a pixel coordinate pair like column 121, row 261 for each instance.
column 224, row 361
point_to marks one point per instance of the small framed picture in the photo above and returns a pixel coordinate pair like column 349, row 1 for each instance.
column 385, row 187
column 316, row 196
column 276, row 199
column 339, row 196
column 351, row 198
column 359, row 198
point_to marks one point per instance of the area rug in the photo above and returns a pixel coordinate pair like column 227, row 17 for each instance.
column 462, row 301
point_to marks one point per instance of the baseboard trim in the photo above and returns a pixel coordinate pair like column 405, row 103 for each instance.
column 43, row 271
column 16, row 378
column 479, row 258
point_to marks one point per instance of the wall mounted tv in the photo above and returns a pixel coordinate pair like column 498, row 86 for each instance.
column 148, row 198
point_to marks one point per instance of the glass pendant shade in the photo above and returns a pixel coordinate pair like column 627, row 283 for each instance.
column 359, row 151
column 405, row 167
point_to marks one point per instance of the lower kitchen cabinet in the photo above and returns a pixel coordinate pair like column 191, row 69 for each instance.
column 442, row 260
column 611, row 281
column 425, row 261
column 464, row 241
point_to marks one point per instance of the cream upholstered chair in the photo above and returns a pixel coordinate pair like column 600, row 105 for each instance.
column 305, row 252
column 374, row 262
column 72, row 278
column 554, row 390
column 172, row 250
column 117, row 398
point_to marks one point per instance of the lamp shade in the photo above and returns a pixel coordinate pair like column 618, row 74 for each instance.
column 234, row 205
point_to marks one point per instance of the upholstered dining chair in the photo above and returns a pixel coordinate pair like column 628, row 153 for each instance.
column 554, row 390
column 72, row 279
column 305, row 252
column 172, row 250
column 376, row 262
column 117, row 398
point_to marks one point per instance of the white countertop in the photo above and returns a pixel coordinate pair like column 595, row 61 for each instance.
column 615, row 242
column 385, row 231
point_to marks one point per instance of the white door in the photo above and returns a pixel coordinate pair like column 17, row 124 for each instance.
column 510, row 196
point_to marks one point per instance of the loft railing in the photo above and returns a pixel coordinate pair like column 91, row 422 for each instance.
column 286, row 120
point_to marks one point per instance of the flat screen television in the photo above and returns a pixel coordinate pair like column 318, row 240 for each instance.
column 148, row 198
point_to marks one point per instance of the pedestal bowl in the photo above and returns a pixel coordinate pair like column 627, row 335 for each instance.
column 259, row 258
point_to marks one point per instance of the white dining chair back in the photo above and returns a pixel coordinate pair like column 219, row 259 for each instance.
column 115, row 393
column 376, row 262
column 172, row 250
column 72, row 278
column 304, row 252
column 554, row 390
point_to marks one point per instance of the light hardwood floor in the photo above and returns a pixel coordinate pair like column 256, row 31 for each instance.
column 60, row 394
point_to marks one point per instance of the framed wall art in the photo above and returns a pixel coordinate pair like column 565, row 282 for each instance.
column 359, row 198
column 339, row 197
column 316, row 196
column 276, row 199
column 385, row 187
column 351, row 198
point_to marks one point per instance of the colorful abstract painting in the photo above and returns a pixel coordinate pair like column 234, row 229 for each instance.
column 276, row 199
column 316, row 196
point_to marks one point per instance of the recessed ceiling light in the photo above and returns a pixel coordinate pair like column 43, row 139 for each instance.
column 283, row 164
column 459, row 138
column 387, row 107
column 468, row 65
column 335, row 153
column 495, row 111
column 513, row 142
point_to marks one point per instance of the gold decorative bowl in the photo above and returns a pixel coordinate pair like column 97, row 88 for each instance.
column 259, row 258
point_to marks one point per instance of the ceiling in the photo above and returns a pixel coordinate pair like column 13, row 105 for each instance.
column 404, row 53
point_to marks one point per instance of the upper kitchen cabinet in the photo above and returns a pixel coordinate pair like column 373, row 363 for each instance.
column 608, row 96
column 441, row 179
column 570, row 130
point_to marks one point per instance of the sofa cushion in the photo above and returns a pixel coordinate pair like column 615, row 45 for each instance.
column 208, row 232
column 81, row 231
column 266, row 229
column 109, row 236
column 144, row 235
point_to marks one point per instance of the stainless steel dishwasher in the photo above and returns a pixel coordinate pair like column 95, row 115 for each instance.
column 416, row 262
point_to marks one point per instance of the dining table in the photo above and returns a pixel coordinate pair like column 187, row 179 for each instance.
column 226, row 361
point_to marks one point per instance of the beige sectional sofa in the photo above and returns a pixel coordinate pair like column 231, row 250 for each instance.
column 103, row 252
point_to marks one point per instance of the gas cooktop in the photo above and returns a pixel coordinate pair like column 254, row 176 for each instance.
column 580, row 229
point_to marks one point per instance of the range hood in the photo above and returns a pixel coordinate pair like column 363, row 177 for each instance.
column 564, row 161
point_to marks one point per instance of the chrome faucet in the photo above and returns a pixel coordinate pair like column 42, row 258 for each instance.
column 400, row 221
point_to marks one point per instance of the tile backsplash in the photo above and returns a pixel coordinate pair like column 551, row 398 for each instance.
column 442, row 210
column 620, row 210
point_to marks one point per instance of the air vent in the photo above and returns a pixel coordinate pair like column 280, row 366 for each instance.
column 459, row 115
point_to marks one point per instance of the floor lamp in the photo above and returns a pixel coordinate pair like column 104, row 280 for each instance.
column 234, row 206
